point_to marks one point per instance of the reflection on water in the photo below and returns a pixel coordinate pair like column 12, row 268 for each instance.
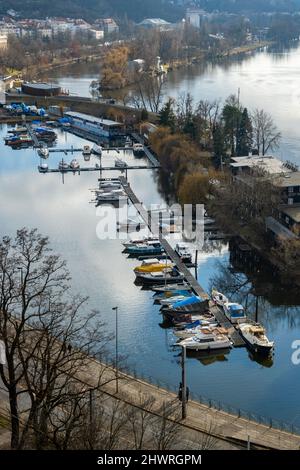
column 267, row 79
column 101, row 271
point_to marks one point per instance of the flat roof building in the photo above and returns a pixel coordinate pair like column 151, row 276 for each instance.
column 89, row 117
column 266, row 164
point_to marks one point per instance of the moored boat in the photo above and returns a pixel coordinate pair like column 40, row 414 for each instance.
column 131, row 225
column 86, row 152
column 120, row 163
column 255, row 336
column 172, row 300
column 219, row 298
column 63, row 165
column 74, row 164
column 171, row 293
column 140, row 241
column 152, row 265
column 148, row 248
column 166, row 276
column 138, row 150
column 203, row 327
column 234, row 312
column 114, row 196
column 206, row 341
column 43, row 152
column 174, row 287
column 43, row 168
column 97, row 150
column 183, row 252
column 18, row 140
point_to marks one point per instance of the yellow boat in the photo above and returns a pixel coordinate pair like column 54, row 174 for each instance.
column 152, row 265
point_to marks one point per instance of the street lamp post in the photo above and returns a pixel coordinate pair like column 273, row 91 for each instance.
column 183, row 379
column 117, row 352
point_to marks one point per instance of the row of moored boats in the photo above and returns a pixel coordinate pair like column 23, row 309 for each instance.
column 194, row 324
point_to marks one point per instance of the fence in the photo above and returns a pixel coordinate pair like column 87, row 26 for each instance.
column 255, row 418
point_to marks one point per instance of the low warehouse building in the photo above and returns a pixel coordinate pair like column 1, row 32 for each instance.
column 41, row 89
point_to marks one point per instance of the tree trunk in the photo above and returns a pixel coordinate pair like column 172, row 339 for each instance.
column 15, row 422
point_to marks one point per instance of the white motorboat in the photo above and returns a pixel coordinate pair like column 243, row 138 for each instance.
column 120, row 163
column 63, row 165
column 206, row 341
column 204, row 327
column 166, row 276
column 17, row 130
column 97, row 150
column 43, row 168
column 138, row 150
column 183, row 252
column 74, row 164
column 255, row 336
column 174, row 287
column 86, row 150
column 234, row 312
column 131, row 225
column 109, row 185
column 116, row 195
column 219, row 298
column 43, row 152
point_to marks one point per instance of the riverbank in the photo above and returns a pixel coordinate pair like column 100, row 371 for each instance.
column 203, row 422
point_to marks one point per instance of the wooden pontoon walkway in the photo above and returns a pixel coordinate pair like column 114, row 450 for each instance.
column 150, row 156
column 219, row 314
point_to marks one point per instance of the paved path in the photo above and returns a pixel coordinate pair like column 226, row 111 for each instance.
column 200, row 417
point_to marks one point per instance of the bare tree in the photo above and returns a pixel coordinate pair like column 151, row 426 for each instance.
column 148, row 92
column 166, row 427
column 265, row 133
column 140, row 420
column 47, row 338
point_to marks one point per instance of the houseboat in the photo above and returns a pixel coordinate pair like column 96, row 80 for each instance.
column 94, row 125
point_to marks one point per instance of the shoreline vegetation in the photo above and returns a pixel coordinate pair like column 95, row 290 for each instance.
column 64, row 392
column 195, row 143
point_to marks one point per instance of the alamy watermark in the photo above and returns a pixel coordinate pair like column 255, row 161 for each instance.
column 2, row 92
column 296, row 353
column 182, row 222
column 2, row 353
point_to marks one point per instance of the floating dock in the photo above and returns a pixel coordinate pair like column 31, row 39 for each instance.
column 236, row 338
column 93, row 168
column 149, row 155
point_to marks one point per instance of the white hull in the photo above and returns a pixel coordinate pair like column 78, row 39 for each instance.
column 257, row 344
column 185, row 334
column 208, row 346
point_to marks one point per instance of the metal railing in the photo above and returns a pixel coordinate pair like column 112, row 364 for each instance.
column 252, row 417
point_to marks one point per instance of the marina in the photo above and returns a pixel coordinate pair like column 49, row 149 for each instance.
column 262, row 390
column 189, row 278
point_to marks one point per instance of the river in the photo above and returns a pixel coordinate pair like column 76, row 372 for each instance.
column 267, row 79
column 63, row 210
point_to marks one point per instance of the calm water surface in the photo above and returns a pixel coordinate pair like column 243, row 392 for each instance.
column 101, row 271
column 268, row 79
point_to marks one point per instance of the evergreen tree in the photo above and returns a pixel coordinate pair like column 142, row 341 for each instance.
column 244, row 135
column 167, row 116
column 232, row 118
